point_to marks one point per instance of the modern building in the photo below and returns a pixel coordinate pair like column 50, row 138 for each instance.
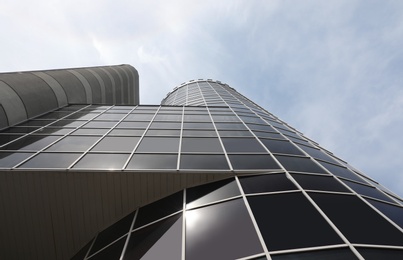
column 208, row 174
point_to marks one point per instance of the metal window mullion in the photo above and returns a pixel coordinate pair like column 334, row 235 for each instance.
column 252, row 217
column 180, row 140
column 128, row 235
column 52, row 143
column 141, row 138
column 102, row 137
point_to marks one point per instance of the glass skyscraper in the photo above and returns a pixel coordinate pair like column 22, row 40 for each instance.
column 208, row 174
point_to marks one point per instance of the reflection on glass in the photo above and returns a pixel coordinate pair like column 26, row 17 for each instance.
column 74, row 143
column 242, row 145
column 211, row 145
column 211, row 192
column 278, row 146
column 51, row 160
column 102, row 161
column 117, row 143
column 367, row 191
column 203, row 161
column 380, row 253
column 221, row 231
column 158, row 144
column 342, row 172
column 252, row 161
column 153, row 161
column 299, row 164
column 162, row 240
column 31, row 142
column 266, row 183
column 316, row 182
column 112, row 251
column 395, row 213
column 8, row 160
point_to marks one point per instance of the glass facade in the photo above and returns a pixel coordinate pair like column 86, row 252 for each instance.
column 288, row 198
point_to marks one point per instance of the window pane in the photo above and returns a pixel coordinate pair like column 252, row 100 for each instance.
column 158, row 144
column 395, row 213
column 162, row 240
column 278, row 146
column 159, row 209
column 315, row 182
column 242, row 145
column 90, row 131
column 203, row 161
column 289, row 221
column 153, row 161
column 111, row 252
column 329, row 254
column 229, row 228
column 299, row 164
column 206, row 133
column 380, row 253
column 348, row 213
column 367, row 191
column 31, row 142
column 117, row 143
column 163, row 132
column 266, row 183
column 128, row 132
column 341, row 172
column 252, row 161
column 102, row 161
column 74, row 143
column 201, row 145
column 51, row 160
column 8, row 160
column 211, row 192
column 316, row 153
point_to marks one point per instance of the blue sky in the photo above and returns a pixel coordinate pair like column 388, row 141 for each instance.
column 331, row 69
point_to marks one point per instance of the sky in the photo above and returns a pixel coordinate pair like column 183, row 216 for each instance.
column 332, row 69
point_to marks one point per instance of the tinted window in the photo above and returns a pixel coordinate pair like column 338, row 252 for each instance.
column 289, row 220
column 153, row 161
column 299, row 164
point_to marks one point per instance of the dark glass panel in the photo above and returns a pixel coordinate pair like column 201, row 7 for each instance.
column 8, row 160
column 298, row 140
column 367, row 191
column 56, row 115
column 158, row 144
column 113, row 117
column 74, row 143
column 133, row 125
column 289, row 221
column 128, row 132
column 380, row 253
column 90, row 131
column 316, row 153
column 342, row 172
column 102, row 161
column 253, row 120
column 395, row 213
column 165, row 125
column 268, row 135
column 117, row 143
column 31, row 142
column 168, row 117
column 222, row 118
column 82, row 116
column 19, row 130
column 205, row 125
column 112, row 233
column 67, row 123
column 153, row 161
column 53, row 131
column 265, row 128
column 329, row 254
column 278, row 146
column 203, row 161
column 221, row 231
column 197, row 118
column 229, row 126
column 112, row 252
column 37, row 123
column 6, row 138
column 139, row 117
column 206, row 133
column 159, row 209
column 235, row 133
column 242, row 145
column 315, row 182
column 51, row 160
column 211, row 145
column 99, row 124
column 299, row 164
column 163, row 132
column 266, row 183
column 252, row 161
column 211, row 192
column 357, row 221
column 162, row 240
